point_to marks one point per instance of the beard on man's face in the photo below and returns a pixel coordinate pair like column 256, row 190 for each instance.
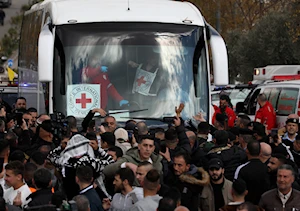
column 119, row 188
column 215, row 177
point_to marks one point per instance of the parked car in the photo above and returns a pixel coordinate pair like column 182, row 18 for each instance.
column 5, row 3
column 284, row 97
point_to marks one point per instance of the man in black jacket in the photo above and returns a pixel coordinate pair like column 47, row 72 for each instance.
column 84, row 178
column 254, row 173
column 188, row 179
column 42, row 182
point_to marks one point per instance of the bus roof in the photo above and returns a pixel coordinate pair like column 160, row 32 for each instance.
column 87, row 11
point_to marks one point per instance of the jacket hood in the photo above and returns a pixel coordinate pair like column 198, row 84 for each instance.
column 134, row 154
column 189, row 178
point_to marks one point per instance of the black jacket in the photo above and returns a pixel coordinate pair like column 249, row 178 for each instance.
column 40, row 197
column 232, row 157
column 188, row 185
column 94, row 199
column 256, row 176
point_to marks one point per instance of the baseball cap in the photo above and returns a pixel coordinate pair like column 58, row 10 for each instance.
column 292, row 120
column 215, row 163
column 121, row 134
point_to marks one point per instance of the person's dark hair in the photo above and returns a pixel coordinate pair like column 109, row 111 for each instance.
column 221, row 137
column 2, row 204
column 174, row 194
column 16, row 167
column 225, row 97
column 12, row 138
column 84, row 174
column 31, row 109
column 21, row 98
column 287, row 167
column 166, row 204
column 254, row 148
column 108, row 138
column 244, row 119
column 30, row 168
column 239, row 187
column 72, row 122
column 171, row 135
column 152, row 180
column 282, row 159
column 159, row 130
column 247, row 206
column 82, row 203
column 203, row 128
column 42, row 178
column 187, row 158
column 57, row 198
column 17, row 155
column 141, row 138
column 117, row 150
column 38, row 158
column 126, row 174
column 91, row 136
column 92, row 124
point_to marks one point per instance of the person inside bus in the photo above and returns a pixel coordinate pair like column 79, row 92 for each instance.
column 96, row 73
column 146, row 74
column 266, row 113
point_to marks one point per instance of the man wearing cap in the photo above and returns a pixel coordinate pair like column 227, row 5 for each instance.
column 225, row 110
column 291, row 129
column 218, row 193
column 266, row 113
column 122, row 139
column 232, row 156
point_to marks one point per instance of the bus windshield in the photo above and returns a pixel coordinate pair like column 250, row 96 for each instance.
column 130, row 66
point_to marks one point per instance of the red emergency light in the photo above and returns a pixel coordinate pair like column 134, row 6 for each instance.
column 264, row 71
column 285, row 77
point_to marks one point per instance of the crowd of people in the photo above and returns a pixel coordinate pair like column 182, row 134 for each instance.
column 57, row 165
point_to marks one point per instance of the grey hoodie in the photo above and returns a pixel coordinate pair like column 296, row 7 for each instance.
column 147, row 204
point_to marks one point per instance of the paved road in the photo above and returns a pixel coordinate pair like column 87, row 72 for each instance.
column 13, row 10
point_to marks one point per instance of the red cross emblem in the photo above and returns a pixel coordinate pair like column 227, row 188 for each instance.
column 141, row 81
column 83, row 100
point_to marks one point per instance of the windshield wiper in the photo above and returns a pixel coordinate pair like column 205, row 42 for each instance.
column 164, row 119
column 122, row 112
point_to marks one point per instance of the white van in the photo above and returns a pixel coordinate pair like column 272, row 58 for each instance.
column 284, row 96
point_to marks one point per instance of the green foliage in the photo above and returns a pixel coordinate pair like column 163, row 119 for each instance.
column 269, row 42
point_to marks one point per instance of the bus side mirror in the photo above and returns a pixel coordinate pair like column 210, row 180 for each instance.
column 219, row 58
column 45, row 55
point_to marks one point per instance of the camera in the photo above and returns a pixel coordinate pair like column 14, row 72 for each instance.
column 60, row 125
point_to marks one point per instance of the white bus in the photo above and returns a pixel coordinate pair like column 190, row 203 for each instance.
column 147, row 55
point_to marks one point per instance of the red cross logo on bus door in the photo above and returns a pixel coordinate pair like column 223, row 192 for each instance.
column 83, row 100
column 141, row 81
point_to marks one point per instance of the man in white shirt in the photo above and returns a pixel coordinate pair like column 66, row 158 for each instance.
column 18, row 191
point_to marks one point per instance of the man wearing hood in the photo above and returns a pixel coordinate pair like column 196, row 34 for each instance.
column 188, row 179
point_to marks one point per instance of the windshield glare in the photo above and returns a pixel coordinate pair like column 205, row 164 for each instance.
column 129, row 67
